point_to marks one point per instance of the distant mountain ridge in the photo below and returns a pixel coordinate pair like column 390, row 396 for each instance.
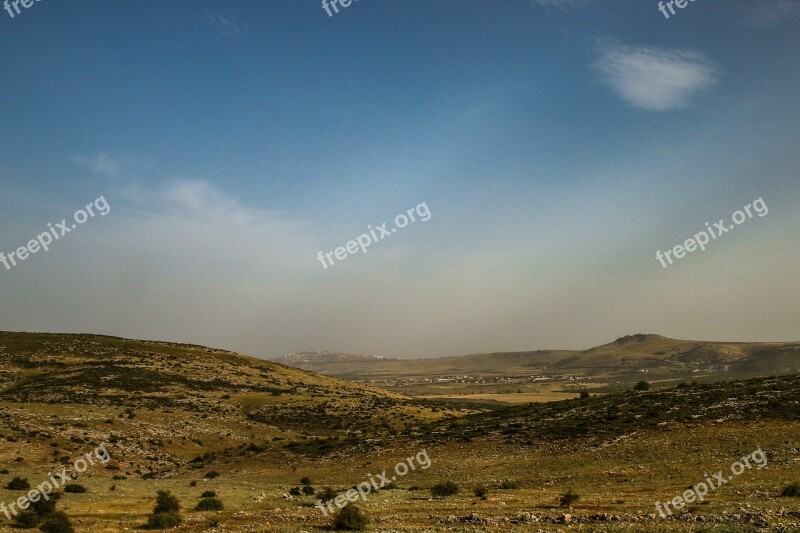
column 626, row 355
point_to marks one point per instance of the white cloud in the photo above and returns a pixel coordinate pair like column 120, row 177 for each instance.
column 655, row 79
column 225, row 26
column 110, row 166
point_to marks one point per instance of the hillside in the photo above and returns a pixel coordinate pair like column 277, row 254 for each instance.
column 182, row 401
column 190, row 419
column 621, row 358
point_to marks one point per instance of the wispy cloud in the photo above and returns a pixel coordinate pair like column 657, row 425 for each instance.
column 655, row 79
column 112, row 166
column 225, row 26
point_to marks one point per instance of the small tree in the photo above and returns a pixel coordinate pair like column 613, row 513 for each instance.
column 18, row 483
column 568, row 498
column 350, row 518
column 209, row 504
column 481, row 492
column 27, row 520
column 166, row 503
column 57, row 522
column 442, row 490
column 327, row 494
column 584, row 394
column 305, row 481
column 791, row 491
column 642, row 386
column 209, row 494
column 166, row 513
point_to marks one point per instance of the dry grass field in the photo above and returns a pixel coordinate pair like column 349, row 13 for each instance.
column 213, row 421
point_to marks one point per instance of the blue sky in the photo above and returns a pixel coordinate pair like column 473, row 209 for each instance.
column 558, row 144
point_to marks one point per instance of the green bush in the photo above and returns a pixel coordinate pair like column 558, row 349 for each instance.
column 57, row 522
column 350, row 518
column 294, row 491
column 209, row 494
column 568, row 498
column 441, row 490
column 327, row 494
column 791, row 491
column 212, row 474
column 509, row 485
column 166, row 503
column 308, row 490
column 43, row 507
column 163, row 521
column 481, row 492
column 305, row 481
column 209, row 504
column 18, row 483
column 27, row 520
column 642, row 386
column 74, row 488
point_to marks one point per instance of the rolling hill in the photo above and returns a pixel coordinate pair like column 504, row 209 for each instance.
column 624, row 357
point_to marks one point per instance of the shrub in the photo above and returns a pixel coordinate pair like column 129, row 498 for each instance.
column 209, row 504
column 509, row 485
column 305, row 481
column 642, row 386
column 57, row 522
column 350, row 518
column 166, row 503
column 327, row 494
column 163, row 521
column 294, row 491
column 74, row 488
column 42, row 507
column 568, row 498
column 18, row 483
column 27, row 520
column 584, row 394
column 212, row 474
column 481, row 492
column 791, row 491
column 209, row 494
column 308, row 490
column 441, row 490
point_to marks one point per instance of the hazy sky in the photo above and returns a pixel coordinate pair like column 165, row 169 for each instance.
column 558, row 144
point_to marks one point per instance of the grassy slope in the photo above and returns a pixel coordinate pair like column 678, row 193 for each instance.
column 621, row 453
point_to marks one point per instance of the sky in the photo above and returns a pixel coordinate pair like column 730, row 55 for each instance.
column 555, row 145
